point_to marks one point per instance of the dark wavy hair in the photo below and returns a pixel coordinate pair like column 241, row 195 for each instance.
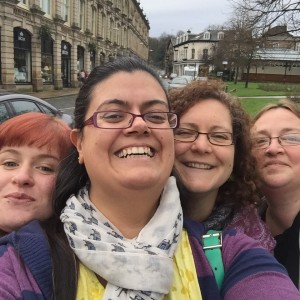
column 73, row 176
column 240, row 189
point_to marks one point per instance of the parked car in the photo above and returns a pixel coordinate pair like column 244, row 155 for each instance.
column 12, row 104
column 178, row 82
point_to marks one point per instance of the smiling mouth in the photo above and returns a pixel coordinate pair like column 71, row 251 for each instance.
column 136, row 152
column 195, row 165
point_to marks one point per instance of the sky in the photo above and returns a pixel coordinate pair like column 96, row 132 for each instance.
column 170, row 16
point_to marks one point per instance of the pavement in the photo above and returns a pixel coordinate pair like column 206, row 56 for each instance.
column 54, row 93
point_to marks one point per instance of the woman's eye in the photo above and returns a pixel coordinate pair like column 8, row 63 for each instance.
column 46, row 169
column 112, row 117
column 183, row 132
column 10, row 164
column 220, row 136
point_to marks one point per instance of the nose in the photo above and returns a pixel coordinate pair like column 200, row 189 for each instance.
column 201, row 144
column 138, row 125
column 23, row 177
column 274, row 146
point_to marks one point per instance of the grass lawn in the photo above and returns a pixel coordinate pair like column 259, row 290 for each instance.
column 251, row 91
column 253, row 105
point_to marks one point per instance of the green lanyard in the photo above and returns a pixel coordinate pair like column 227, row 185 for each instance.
column 212, row 245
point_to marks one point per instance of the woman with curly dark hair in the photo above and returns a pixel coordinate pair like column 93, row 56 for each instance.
column 214, row 166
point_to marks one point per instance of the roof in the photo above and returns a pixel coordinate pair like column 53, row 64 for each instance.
column 213, row 35
column 277, row 54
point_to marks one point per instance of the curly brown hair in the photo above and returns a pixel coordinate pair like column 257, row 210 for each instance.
column 240, row 189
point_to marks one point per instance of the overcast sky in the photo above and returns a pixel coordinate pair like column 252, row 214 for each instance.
column 170, row 16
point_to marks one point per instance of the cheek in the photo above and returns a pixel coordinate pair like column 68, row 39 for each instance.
column 258, row 156
column 181, row 148
column 48, row 186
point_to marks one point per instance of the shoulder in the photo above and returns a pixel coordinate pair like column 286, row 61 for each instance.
column 248, row 221
column 28, row 247
column 17, row 282
column 251, row 270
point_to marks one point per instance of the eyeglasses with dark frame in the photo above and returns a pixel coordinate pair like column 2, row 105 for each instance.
column 187, row 135
column 289, row 139
column 123, row 120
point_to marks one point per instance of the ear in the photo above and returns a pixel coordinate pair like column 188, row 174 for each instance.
column 76, row 139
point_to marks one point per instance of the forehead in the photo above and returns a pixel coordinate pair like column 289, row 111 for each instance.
column 133, row 88
column 277, row 119
column 208, row 110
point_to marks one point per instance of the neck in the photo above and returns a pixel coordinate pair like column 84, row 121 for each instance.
column 282, row 209
column 128, row 210
column 198, row 207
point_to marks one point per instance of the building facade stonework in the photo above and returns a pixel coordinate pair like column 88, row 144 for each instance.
column 192, row 52
column 46, row 43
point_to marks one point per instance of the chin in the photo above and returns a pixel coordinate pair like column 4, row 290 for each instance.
column 143, row 181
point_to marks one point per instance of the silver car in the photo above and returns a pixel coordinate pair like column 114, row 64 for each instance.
column 12, row 104
column 179, row 82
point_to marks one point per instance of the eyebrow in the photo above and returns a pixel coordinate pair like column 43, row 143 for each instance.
column 282, row 131
column 215, row 127
column 40, row 156
column 123, row 103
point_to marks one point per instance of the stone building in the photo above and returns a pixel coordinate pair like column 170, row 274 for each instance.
column 192, row 52
column 46, row 43
column 277, row 58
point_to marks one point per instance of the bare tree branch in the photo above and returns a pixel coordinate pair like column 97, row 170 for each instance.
column 267, row 13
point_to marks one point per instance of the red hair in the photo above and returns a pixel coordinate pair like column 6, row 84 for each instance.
column 38, row 130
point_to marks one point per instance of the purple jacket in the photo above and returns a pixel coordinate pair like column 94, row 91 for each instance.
column 251, row 272
column 25, row 265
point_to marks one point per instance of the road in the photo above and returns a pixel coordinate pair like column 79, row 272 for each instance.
column 65, row 104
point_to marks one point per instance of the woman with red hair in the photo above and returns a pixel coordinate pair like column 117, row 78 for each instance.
column 32, row 145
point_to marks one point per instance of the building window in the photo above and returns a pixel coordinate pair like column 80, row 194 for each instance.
column 220, row 35
column 47, row 60
column 66, row 63
column 94, row 20
column 109, row 31
column 193, row 54
column 206, row 35
column 81, row 14
column 80, row 58
column 102, row 58
column 185, row 53
column 205, row 54
column 175, row 55
column 92, row 59
column 45, row 6
column 65, row 10
column 22, row 55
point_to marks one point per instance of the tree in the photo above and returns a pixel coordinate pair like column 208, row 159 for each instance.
column 157, row 48
column 268, row 13
column 238, row 46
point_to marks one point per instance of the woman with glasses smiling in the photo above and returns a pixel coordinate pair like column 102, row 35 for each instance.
column 118, row 218
column 276, row 146
column 216, row 177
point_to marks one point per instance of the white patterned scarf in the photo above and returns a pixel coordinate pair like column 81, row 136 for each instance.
column 141, row 268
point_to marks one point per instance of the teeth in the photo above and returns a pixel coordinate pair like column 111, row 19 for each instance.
column 136, row 151
column 198, row 166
